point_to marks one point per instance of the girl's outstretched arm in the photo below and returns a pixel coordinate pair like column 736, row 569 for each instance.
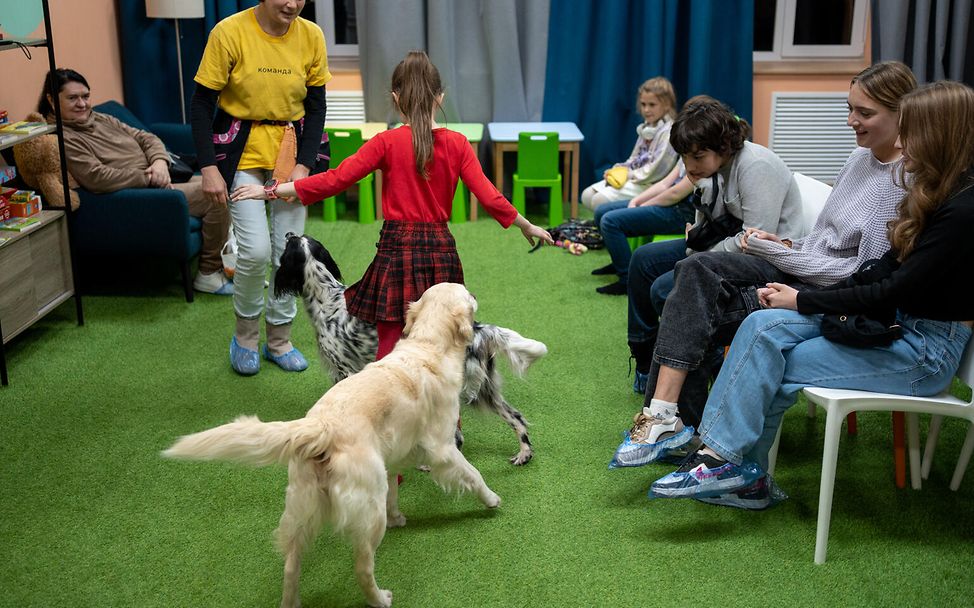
column 258, row 192
column 531, row 232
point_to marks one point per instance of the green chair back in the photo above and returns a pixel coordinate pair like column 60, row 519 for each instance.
column 537, row 155
column 344, row 143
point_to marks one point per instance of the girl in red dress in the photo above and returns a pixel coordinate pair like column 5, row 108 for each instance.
column 421, row 163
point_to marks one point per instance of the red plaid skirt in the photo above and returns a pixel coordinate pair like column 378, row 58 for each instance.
column 411, row 258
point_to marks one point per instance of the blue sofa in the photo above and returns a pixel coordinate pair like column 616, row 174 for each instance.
column 140, row 222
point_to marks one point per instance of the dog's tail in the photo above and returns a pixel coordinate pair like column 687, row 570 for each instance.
column 519, row 351
column 248, row 440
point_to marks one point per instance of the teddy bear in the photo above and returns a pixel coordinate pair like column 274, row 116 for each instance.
column 38, row 164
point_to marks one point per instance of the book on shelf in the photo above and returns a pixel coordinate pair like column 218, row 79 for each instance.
column 7, row 173
column 22, row 127
column 21, row 224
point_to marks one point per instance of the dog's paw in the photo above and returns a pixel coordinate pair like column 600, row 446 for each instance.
column 492, row 501
column 384, row 600
column 423, row 467
column 521, row 458
column 395, row 521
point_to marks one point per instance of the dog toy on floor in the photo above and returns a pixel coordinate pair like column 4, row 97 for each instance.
column 572, row 248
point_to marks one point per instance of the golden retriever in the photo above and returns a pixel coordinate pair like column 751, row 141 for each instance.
column 344, row 455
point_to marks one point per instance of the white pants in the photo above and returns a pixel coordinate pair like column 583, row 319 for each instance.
column 601, row 193
column 260, row 244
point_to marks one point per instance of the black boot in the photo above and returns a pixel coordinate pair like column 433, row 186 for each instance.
column 615, row 289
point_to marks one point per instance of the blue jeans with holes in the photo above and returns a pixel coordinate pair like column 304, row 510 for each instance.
column 776, row 353
column 617, row 222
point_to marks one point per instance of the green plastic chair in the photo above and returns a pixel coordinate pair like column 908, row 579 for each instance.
column 537, row 167
column 459, row 214
column 344, row 143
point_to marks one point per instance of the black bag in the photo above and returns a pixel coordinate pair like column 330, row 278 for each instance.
column 713, row 229
column 180, row 171
column 859, row 331
column 577, row 231
column 864, row 330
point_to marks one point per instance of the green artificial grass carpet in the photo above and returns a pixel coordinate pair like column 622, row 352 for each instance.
column 92, row 516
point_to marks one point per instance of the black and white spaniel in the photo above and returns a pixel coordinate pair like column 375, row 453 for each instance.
column 346, row 344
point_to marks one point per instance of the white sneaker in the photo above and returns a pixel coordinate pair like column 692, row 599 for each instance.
column 650, row 439
column 215, row 283
column 649, row 429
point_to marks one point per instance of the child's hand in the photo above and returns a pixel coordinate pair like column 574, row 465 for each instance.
column 249, row 192
column 532, row 232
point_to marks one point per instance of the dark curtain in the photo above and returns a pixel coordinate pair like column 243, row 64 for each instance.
column 149, row 67
column 931, row 36
column 599, row 52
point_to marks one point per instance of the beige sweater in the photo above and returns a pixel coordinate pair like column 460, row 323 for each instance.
column 105, row 155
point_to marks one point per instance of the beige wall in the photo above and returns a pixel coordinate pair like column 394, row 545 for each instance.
column 85, row 39
column 805, row 77
column 765, row 85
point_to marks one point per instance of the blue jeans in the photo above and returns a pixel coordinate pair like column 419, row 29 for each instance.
column 648, row 264
column 776, row 353
column 260, row 245
column 617, row 222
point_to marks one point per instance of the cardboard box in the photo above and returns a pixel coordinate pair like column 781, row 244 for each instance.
column 21, row 196
column 26, row 209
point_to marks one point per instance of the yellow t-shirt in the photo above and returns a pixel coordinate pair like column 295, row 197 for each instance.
column 263, row 77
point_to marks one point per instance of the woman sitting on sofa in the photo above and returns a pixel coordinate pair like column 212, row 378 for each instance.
column 106, row 155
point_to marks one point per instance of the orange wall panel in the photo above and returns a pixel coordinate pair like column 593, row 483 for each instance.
column 765, row 85
column 85, row 39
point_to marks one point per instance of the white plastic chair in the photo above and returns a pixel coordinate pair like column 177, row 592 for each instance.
column 965, row 453
column 814, row 194
column 838, row 403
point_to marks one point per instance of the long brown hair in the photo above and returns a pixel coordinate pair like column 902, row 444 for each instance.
column 417, row 87
column 886, row 83
column 936, row 127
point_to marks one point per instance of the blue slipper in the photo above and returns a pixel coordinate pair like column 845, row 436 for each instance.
column 291, row 361
column 244, row 361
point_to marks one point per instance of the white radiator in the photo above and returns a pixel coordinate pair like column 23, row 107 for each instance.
column 345, row 106
column 809, row 133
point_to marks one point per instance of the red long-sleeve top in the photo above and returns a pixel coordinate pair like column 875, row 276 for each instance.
column 406, row 195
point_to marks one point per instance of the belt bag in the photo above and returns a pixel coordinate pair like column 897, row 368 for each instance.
column 864, row 330
column 859, row 331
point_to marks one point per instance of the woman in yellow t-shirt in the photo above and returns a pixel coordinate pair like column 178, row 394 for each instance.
column 263, row 75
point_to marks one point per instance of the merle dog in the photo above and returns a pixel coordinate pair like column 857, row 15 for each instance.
column 346, row 344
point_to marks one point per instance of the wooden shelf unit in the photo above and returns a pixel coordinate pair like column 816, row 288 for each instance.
column 37, row 270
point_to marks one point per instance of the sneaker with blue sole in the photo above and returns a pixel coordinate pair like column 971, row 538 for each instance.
column 244, row 361
column 703, row 476
column 650, row 439
column 760, row 495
